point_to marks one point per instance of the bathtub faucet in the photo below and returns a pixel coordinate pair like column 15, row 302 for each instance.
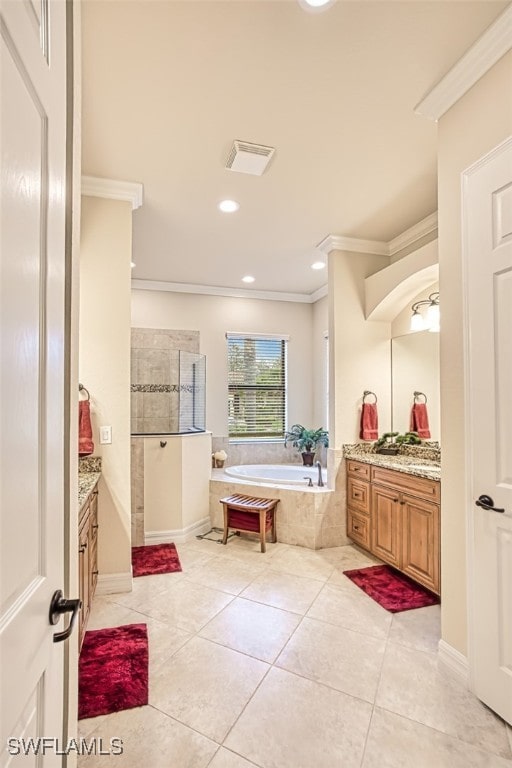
column 320, row 479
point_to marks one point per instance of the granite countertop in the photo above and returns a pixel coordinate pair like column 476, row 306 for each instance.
column 89, row 472
column 411, row 465
column 86, row 483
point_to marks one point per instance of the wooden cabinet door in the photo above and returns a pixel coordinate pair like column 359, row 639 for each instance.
column 386, row 524
column 420, row 542
column 93, row 545
column 83, row 567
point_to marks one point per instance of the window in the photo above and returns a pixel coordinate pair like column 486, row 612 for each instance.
column 256, row 386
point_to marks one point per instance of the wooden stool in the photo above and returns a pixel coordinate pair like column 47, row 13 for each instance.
column 247, row 513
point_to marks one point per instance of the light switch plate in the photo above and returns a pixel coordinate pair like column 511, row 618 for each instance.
column 105, row 435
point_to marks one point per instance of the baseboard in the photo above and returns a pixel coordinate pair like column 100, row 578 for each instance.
column 110, row 583
column 179, row 535
column 452, row 661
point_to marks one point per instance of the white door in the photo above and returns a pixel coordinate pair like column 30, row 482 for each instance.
column 488, row 264
column 32, row 271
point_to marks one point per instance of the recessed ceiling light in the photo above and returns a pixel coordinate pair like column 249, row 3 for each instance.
column 318, row 265
column 248, row 279
column 229, row 206
column 315, row 5
column 133, row 264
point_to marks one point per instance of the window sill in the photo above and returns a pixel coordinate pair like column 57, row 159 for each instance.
column 257, row 440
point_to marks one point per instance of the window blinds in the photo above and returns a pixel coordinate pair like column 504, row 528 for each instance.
column 256, row 386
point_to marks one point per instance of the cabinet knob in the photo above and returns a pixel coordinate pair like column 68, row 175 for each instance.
column 356, row 527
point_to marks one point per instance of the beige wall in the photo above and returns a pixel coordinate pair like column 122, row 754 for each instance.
column 476, row 124
column 320, row 378
column 359, row 349
column 104, row 364
column 213, row 316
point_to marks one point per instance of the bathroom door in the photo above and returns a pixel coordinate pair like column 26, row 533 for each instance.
column 32, row 317
column 488, row 268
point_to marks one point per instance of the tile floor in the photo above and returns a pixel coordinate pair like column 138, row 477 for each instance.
column 277, row 660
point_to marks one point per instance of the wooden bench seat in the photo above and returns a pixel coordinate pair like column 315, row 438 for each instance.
column 249, row 513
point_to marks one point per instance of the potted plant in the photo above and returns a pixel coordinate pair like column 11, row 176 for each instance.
column 390, row 442
column 306, row 441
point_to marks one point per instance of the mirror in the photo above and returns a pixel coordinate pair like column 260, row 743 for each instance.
column 415, row 367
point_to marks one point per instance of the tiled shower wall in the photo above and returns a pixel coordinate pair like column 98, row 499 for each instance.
column 152, row 411
column 261, row 452
column 155, row 363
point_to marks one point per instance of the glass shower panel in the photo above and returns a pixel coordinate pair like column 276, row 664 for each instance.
column 192, row 392
column 168, row 391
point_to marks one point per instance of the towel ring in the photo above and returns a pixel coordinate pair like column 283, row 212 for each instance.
column 419, row 394
column 366, row 393
column 81, row 388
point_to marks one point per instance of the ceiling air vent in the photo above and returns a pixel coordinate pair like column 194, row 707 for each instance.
column 249, row 158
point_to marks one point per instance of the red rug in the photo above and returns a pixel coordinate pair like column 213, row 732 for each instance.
column 113, row 670
column 392, row 590
column 156, row 558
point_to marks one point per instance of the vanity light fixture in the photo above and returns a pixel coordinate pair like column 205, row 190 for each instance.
column 318, row 265
column 132, row 264
column 228, row 206
column 248, row 279
column 430, row 320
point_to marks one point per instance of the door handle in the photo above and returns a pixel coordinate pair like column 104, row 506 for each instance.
column 58, row 606
column 486, row 502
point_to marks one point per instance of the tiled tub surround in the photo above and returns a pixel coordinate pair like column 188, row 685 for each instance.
column 260, row 452
column 307, row 517
column 162, row 385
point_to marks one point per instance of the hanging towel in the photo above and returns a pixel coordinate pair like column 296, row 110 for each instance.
column 419, row 420
column 85, row 443
column 369, row 422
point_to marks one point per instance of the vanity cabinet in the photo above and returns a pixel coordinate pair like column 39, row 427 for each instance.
column 87, row 557
column 396, row 516
column 358, row 502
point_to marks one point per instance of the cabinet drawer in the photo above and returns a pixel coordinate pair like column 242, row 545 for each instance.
column 358, row 528
column 358, row 495
column 358, row 468
column 416, row 486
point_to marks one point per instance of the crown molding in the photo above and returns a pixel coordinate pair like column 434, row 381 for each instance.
column 412, row 235
column 129, row 191
column 495, row 42
column 214, row 290
column 319, row 293
column 341, row 243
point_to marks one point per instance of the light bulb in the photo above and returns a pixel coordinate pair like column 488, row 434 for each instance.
column 433, row 316
column 314, row 6
column 417, row 322
column 228, row 206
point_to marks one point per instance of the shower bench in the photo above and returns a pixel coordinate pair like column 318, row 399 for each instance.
column 249, row 513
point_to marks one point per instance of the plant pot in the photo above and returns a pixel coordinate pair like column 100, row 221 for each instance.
column 219, row 463
column 307, row 459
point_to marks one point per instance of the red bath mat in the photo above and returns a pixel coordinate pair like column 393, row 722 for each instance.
column 392, row 590
column 156, row 558
column 113, row 670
